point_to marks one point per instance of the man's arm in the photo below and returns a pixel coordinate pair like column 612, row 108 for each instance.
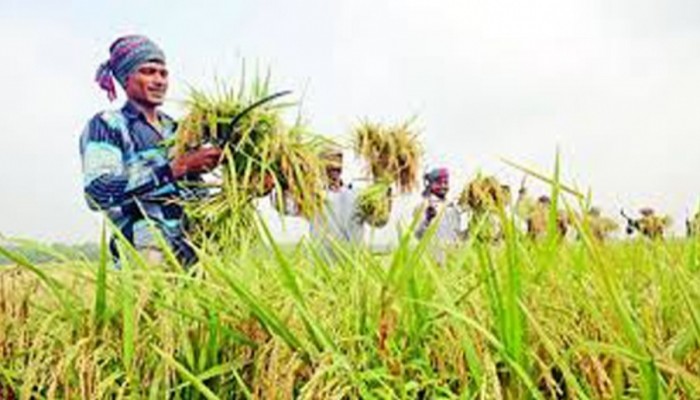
column 106, row 180
column 108, row 183
column 425, row 212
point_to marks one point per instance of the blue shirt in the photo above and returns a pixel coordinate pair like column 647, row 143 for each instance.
column 126, row 173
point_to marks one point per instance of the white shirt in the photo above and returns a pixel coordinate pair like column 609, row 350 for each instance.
column 338, row 220
column 448, row 219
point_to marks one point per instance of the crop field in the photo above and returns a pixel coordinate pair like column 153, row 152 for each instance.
column 520, row 320
column 496, row 313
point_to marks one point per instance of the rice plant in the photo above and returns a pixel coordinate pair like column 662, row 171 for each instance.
column 520, row 320
column 392, row 152
column 262, row 151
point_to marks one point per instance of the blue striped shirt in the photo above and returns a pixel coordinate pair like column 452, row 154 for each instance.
column 126, row 173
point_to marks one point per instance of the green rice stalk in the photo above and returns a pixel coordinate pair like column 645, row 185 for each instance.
column 484, row 193
column 374, row 204
column 264, row 153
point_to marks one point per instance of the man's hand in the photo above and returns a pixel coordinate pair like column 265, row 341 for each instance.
column 196, row 162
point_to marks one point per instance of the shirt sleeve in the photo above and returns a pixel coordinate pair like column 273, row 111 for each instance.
column 107, row 180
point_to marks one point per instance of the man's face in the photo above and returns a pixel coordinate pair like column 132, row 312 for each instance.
column 148, row 84
column 334, row 173
column 440, row 187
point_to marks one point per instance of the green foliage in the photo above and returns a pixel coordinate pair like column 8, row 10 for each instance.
column 523, row 320
column 262, row 152
column 38, row 253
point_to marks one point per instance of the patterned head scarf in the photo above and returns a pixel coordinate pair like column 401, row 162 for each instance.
column 434, row 175
column 125, row 55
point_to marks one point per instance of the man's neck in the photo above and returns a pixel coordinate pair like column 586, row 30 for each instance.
column 149, row 112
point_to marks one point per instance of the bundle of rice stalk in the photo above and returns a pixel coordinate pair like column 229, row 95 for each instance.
column 293, row 157
column 210, row 117
column 224, row 219
column 654, row 225
column 484, row 193
column 392, row 152
column 261, row 152
column 374, row 204
column 288, row 161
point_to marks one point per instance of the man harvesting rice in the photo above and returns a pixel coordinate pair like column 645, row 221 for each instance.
column 601, row 227
column 536, row 215
column 692, row 226
column 127, row 172
column 344, row 216
column 436, row 209
column 525, row 207
column 339, row 221
column 650, row 224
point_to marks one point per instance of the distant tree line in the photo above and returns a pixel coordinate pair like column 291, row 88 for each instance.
column 38, row 253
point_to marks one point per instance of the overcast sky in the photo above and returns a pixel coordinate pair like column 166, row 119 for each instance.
column 615, row 84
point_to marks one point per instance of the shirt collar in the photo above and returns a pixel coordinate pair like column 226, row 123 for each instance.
column 132, row 112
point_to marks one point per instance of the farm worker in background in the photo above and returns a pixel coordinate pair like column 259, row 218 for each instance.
column 435, row 208
column 525, row 206
column 692, row 226
column 127, row 172
column 340, row 221
column 534, row 213
column 563, row 223
column 601, row 226
column 649, row 224
column 536, row 216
